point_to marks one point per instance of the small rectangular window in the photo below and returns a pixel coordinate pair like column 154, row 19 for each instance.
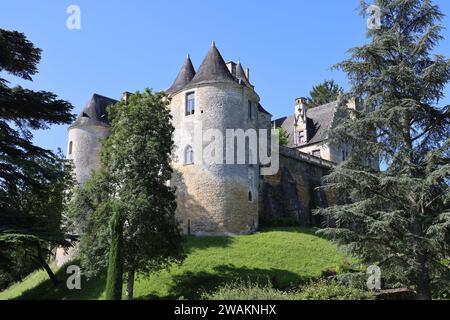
column 301, row 137
column 190, row 103
column 250, row 110
column 70, row 147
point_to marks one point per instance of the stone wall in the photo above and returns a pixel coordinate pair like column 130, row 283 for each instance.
column 86, row 146
column 214, row 199
column 291, row 194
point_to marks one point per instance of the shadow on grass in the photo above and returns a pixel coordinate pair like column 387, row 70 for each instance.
column 46, row 290
column 191, row 285
column 201, row 243
column 308, row 231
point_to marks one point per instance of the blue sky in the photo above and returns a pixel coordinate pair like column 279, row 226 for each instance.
column 289, row 46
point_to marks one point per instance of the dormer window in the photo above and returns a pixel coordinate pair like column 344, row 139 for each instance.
column 190, row 103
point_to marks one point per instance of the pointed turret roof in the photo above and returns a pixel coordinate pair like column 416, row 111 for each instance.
column 213, row 69
column 185, row 76
column 94, row 113
column 240, row 74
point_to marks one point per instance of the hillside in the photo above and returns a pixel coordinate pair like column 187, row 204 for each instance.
column 285, row 257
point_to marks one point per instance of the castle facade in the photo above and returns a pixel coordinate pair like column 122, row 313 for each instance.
column 222, row 199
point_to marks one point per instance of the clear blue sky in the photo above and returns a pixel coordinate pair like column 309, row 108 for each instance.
column 289, row 46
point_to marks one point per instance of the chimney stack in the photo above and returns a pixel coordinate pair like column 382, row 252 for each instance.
column 300, row 109
column 231, row 67
column 126, row 97
column 247, row 73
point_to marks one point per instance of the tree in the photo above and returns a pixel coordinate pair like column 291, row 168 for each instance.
column 397, row 218
column 32, row 179
column 326, row 92
column 283, row 137
column 131, row 193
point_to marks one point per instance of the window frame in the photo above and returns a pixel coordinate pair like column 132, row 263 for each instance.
column 188, row 111
column 188, row 155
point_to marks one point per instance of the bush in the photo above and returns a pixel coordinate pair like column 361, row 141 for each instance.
column 331, row 290
column 247, row 291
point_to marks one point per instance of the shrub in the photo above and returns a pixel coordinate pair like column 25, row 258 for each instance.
column 331, row 290
column 247, row 291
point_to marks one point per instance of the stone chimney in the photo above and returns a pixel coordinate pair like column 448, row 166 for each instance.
column 352, row 105
column 232, row 67
column 126, row 97
column 300, row 125
column 247, row 73
column 301, row 109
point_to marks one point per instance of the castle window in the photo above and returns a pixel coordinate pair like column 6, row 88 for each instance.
column 301, row 137
column 189, row 155
column 190, row 103
column 250, row 196
column 70, row 147
column 250, row 110
column 296, row 138
column 316, row 153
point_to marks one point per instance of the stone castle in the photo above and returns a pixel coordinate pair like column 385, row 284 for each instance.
column 227, row 199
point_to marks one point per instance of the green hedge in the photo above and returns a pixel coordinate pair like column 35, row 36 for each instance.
column 330, row 290
column 322, row 290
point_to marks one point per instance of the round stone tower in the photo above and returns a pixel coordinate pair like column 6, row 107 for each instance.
column 219, row 198
column 83, row 149
column 84, row 137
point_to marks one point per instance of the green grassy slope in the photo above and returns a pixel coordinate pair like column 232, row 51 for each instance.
column 283, row 256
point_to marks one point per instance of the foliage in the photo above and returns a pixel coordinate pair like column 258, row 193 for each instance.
column 246, row 290
column 286, row 257
column 323, row 93
column 32, row 179
column 330, row 290
column 397, row 218
column 283, row 136
column 131, row 190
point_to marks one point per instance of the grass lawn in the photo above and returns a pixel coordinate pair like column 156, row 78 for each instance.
column 286, row 257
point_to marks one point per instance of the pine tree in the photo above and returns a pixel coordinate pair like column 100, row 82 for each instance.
column 32, row 179
column 399, row 217
column 326, row 92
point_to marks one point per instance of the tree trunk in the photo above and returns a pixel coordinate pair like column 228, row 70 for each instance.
column 40, row 259
column 115, row 263
column 423, row 281
column 130, row 283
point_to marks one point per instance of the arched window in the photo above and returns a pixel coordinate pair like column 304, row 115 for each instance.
column 189, row 155
column 70, row 147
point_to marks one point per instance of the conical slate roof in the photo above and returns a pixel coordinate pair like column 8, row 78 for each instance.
column 185, row 76
column 94, row 113
column 213, row 69
column 240, row 74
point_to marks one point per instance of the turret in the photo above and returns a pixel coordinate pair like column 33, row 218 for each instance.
column 214, row 99
column 84, row 137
